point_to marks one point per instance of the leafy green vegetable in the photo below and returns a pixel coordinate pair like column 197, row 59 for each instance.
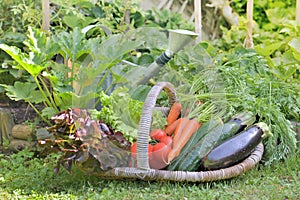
column 255, row 88
column 237, row 80
column 120, row 111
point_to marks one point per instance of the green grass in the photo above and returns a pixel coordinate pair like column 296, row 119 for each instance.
column 25, row 177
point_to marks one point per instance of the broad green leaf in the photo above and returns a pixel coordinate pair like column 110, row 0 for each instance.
column 36, row 40
column 22, row 59
column 78, row 20
column 277, row 15
column 267, row 50
column 41, row 47
column 73, row 44
column 66, row 99
column 14, row 38
column 24, row 91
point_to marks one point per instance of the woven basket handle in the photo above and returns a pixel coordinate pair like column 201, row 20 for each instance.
column 146, row 120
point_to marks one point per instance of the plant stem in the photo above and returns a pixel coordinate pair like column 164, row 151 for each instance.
column 39, row 114
column 42, row 91
column 48, row 94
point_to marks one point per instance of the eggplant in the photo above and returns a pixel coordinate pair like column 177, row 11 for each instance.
column 236, row 148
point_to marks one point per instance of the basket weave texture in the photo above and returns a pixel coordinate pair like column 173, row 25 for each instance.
column 144, row 172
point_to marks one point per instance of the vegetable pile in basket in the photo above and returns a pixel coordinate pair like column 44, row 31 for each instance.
column 193, row 146
column 183, row 145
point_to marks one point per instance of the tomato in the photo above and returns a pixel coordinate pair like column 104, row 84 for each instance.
column 167, row 140
column 157, row 134
column 159, row 157
column 150, row 148
column 157, row 153
column 133, row 150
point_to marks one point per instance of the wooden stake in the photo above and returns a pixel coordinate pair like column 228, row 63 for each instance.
column 183, row 6
column 46, row 16
column 198, row 19
column 248, row 43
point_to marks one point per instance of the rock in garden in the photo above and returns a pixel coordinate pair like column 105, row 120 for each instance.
column 18, row 145
column 6, row 124
column 23, row 132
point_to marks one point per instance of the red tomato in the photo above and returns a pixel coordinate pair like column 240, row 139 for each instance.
column 133, row 150
column 150, row 148
column 167, row 140
column 160, row 154
column 157, row 154
column 159, row 151
column 157, row 134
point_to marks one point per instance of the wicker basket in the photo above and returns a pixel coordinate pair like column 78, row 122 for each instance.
column 144, row 172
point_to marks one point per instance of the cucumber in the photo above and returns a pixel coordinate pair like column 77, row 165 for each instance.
column 237, row 148
column 238, row 122
column 192, row 160
column 195, row 138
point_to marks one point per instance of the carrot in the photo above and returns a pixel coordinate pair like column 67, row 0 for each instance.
column 174, row 113
column 190, row 127
column 179, row 129
column 169, row 130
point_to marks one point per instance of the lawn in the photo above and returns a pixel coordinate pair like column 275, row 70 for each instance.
column 23, row 176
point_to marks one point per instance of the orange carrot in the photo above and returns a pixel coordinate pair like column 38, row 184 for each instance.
column 189, row 129
column 169, row 130
column 174, row 113
column 179, row 129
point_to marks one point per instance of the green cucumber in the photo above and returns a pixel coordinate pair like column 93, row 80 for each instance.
column 193, row 159
column 195, row 138
column 236, row 124
column 237, row 148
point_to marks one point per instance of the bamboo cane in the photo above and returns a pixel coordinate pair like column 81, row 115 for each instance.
column 162, row 4
column 248, row 43
column 198, row 16
column 184, row 4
